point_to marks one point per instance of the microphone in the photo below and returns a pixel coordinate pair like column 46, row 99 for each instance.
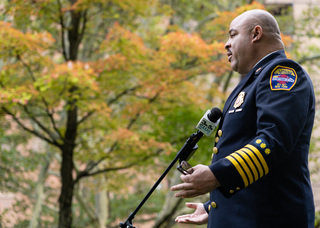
column 206, row 125
column 209, row 121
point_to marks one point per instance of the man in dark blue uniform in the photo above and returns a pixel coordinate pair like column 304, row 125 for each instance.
column 259, row 175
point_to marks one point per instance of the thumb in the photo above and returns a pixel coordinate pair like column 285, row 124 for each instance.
column 192, row 205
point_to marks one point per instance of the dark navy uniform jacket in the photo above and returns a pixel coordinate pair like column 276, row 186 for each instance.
column 261, row 151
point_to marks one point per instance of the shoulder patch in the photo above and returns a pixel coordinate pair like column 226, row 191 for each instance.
column 283, row 78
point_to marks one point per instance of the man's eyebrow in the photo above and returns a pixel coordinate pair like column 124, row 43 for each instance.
column 232, row 30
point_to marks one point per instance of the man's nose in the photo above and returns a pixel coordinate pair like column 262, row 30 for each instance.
column 227, row 45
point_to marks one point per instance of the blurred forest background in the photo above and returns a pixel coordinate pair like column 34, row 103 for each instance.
column 97, row 97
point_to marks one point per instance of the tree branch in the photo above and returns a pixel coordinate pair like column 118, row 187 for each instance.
column 205, row 20
column 122, row 94
column 28, row 68
column 34, row 132
column 42, row 127
column 86, row 173
column 226, row 85
column 85, row 117
column 87, row 208
column 132, row 121
column 45, row 103
column 92, row 165
column 305, row 59
column 52, row 119
column 63, row 28
column 83, row 28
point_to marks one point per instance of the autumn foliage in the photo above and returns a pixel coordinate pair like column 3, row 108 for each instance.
column 84, row 77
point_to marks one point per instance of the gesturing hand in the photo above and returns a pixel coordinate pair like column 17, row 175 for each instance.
column 200, row 182
column 199, row 217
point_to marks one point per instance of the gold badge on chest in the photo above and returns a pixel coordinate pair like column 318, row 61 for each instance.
column 240, row 100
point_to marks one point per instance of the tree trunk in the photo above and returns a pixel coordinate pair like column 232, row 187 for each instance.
column 66, row 195
column 40, row 191
column 101, row 201
column 86, row 206
column 170, row 206
column 67, row 149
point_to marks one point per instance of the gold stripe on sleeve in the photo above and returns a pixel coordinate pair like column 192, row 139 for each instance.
column 247, row 157
column 239, row 169
column 255, row 160
column 244, row 166
column 260, row 157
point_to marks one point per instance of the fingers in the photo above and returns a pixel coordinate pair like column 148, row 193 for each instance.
column 183, row 186
column 199, row 216
column 198, row 183
column 186, row 190
column 185, row 178
column 188, row 194
column 185, row 219
column 190, row 219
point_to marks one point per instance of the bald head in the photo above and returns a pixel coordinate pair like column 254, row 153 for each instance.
column 252, row 18
column 252, row 35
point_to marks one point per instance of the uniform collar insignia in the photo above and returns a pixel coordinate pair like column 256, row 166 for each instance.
column 257, row 71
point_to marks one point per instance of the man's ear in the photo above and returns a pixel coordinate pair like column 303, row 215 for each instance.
column 257, row 33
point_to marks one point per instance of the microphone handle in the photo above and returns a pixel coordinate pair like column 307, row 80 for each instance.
column 189, row 147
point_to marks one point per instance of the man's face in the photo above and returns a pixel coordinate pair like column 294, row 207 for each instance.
column 239, row 47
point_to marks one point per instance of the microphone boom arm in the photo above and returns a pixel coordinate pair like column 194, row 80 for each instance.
column 184, row 154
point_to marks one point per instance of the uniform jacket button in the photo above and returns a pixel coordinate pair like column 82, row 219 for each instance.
column 213, row 205
column 219, row 133
column 215, row 150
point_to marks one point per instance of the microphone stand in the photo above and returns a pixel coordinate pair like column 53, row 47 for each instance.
column 184, row 154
